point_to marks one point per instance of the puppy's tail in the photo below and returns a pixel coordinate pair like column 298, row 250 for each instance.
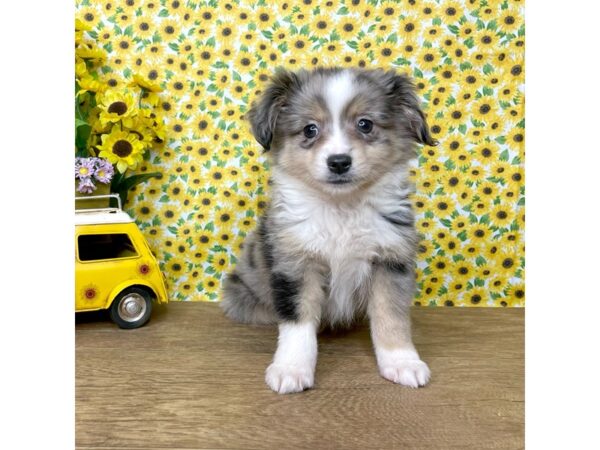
column 242, row 304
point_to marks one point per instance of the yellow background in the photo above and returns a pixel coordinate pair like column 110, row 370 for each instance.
column 212, row 58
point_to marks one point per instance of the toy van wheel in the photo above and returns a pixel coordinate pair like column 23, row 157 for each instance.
column 131, row 308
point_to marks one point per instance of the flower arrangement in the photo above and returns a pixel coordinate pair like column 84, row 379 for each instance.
column 114, row 128
column 88, row 170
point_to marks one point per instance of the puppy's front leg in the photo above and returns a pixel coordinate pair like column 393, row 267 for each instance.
column 293, row 366
column 298, row 305
column 389, row 315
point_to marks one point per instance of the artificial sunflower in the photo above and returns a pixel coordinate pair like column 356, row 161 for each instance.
column 117, row 105
column 121, row 148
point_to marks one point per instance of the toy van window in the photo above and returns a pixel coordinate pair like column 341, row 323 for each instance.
column 95, row 247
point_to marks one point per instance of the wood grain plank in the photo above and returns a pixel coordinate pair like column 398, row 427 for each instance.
column 191, row 379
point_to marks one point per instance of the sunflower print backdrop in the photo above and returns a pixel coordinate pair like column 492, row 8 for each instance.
column 213, row 58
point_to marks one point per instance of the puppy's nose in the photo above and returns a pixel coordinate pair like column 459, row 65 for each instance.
column 339, row 163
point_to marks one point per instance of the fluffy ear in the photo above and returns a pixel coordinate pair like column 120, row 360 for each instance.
column 263, row 114
column 402, row 90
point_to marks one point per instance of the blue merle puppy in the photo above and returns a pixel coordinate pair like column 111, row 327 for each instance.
column 337, row 241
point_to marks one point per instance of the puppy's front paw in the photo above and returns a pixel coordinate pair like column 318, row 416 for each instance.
column 286, row 379
column 408, row 372
column 402, row 366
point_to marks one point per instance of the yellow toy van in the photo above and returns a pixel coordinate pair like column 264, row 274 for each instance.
column 114, row 266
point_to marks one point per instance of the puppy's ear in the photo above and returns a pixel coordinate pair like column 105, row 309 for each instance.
column 263, row 114
column 402, row 90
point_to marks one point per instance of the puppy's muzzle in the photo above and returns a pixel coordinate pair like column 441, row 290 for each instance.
column 339, row 164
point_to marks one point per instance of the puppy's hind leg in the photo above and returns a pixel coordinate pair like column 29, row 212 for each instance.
column 245, row 290
column 241, row 303
column 389, row 315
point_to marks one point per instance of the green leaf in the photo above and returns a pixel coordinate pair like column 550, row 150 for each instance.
column 462, row 235
column 488, row 68
column 82, row 134
column 393, row 38
column 504, row 155
column 453, row 29
column 174, row 46
column 163, row 13
column 401, row 61
column 342, row 11
column 500, row 139
column 172, row 229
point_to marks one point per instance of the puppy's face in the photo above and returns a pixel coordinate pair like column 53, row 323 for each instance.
column 339, row 130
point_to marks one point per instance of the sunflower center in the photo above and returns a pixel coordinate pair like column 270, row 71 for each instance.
column 122, row 148
column 119, row 108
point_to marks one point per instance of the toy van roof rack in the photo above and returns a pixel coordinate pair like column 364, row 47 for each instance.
column 98, row 197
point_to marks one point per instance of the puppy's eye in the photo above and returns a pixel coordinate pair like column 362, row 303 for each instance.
column 364, row 125
column 310, row 131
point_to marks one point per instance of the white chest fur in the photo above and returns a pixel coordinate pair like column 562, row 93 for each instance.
column 346, row 235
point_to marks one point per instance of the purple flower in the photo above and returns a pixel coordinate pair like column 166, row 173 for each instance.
column 104, row 171
column 86, row 185
column 84, row 168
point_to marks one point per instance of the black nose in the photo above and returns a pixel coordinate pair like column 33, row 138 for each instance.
column 339, row 163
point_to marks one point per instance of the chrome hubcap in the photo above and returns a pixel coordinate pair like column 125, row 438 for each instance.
column 132, row 307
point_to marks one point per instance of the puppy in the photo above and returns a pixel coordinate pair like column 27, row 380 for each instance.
column 338, row 240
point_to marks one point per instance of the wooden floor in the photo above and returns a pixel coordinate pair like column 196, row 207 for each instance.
column 191, row 379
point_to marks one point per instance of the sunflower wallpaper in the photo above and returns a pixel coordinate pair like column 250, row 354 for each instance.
column 204, row 62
